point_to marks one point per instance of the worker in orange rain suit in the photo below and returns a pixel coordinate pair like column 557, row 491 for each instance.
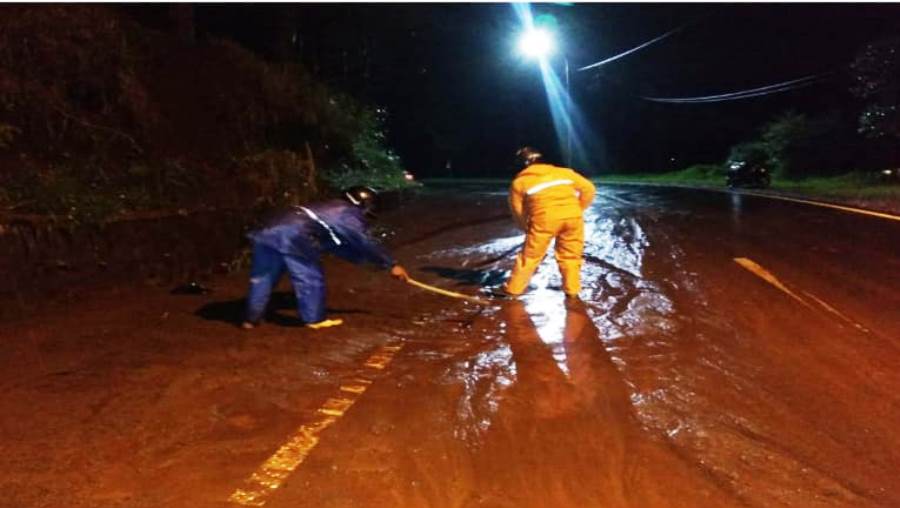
column 547, row 202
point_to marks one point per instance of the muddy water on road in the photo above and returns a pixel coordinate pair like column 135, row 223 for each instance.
column 681, row 381
column 518, row 408
column 780, row 401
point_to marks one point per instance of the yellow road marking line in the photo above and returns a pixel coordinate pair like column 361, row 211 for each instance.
column 272, row 473
column 851, row 209
column 357, row 386
column 771, row 279
column 836, row 312
column 380, row 359
column 767, row 276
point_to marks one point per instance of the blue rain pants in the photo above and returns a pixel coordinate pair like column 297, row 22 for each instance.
column 306, row 276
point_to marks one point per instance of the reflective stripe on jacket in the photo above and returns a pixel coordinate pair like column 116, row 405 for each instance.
column 547, row 190
column 333, row 226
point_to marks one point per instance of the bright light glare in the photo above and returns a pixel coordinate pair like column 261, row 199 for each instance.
column 536, row 43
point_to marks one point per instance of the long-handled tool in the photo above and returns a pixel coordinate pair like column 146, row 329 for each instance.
column 451, row 294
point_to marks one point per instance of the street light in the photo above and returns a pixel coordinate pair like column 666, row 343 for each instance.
column 538, row 43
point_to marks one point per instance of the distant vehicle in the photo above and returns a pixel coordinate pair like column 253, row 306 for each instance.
column 745, row 174
column 891, row 176
column 411, row 179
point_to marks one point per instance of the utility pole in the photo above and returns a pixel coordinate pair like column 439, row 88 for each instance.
column 568, row 116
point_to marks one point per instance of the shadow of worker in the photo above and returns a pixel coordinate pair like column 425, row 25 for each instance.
column 233, row 311
column 560, row 433
column 565, row 433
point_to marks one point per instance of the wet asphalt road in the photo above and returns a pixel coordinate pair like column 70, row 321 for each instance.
column 729, row 351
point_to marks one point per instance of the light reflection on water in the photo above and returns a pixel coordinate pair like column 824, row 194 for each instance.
column 622, row 299
column 484, row 377
column 737, row 209
column 675, row 352
column 473, row 253
column 621, row 242
column 549, row 319
column 623, row 302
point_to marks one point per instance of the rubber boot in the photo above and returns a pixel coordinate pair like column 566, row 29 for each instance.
column 325, row 323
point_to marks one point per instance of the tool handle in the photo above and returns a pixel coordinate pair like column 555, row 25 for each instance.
column 451, row 294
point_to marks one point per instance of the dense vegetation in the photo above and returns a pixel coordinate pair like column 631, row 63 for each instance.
column 100, row 115
column 860, row 139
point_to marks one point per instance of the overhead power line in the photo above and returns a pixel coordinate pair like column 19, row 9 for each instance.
column 648, row 43
column 632, row 50
column 784, row 86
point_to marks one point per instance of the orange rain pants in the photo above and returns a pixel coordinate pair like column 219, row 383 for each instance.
column 569, row 234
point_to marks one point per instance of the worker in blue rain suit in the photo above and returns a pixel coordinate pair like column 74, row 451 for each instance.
column 294, row 241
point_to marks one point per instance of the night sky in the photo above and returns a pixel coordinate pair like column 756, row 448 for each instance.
column 455, row 88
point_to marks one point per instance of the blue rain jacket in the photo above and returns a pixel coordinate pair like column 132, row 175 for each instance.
column 332, row 226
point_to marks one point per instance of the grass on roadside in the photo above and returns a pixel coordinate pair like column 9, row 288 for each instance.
column 857, row 187
column 852, row 186
column 700, row 174
column 466, row 180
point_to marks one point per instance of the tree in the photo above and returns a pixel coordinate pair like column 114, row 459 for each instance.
column 785, row 140
column 876, row 80
column 795, row 145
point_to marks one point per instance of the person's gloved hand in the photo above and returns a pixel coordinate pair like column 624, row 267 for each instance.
column 399, row 272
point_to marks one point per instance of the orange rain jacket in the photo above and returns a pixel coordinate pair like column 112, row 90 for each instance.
column 551, row 192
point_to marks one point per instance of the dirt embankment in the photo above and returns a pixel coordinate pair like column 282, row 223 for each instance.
column 41, row 260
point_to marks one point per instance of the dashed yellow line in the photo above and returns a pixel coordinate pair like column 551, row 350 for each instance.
column 764, row 274
column 277, row 468
column 383, row 357
column 836, row 312
column 850, row 209
column 767, row 276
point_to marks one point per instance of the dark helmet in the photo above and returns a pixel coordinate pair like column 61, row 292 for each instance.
column 527, row 156
column 361, row 196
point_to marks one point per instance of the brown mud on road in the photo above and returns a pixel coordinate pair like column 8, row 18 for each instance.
column 683, row 379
